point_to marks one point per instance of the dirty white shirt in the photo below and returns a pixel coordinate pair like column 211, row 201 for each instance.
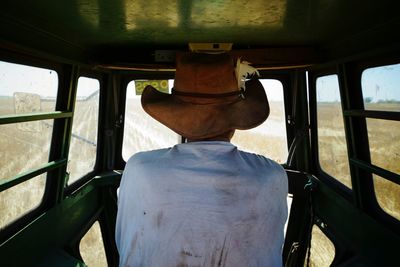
column 201, row 204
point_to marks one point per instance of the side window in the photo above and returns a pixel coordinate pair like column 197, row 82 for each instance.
column 142, row 132
column 24, row 146
column 82, row 152
column 380, row 88
column 322, row 249
column 268, row 139
column 91, row 247
column 332, row 148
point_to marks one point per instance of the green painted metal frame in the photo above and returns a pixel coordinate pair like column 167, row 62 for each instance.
column 52, row 165
column 356, row 135
column 361, row 166
column 297, row 234
column 63, row 117
column 58, row 156
column 5, row 184
column 375, row 114
column 62, row 226
column 391, row 176
column 65, row 214
column 370, row 244
column 61, row 137
column 367, row 166
column 7, row 119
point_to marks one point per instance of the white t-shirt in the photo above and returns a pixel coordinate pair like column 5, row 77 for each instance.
column 201, row 204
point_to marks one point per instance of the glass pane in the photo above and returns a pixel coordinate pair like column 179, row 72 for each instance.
column 92, row 249
column 384, row 143
column 332, row 148
column 26, row 89
column 24, row 146
column 141, row 131
column 388, row 195
column 380, row 87
column 322, row 249
column 268, row 139
column 19, row 199
column 82, row 152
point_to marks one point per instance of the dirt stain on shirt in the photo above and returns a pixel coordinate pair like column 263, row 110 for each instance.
column 159, row 218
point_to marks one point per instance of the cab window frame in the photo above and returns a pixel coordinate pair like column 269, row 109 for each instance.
column 375, row 209
column 285, row 79
column 125, row 77
column 325, row 177
column 349, row 73
column 48, row 197
column 101, row 128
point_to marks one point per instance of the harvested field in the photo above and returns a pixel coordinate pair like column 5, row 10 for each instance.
column 25, row 146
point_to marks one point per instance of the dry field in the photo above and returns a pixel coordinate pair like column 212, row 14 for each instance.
column 384, row 142
column 268, row 139
column 25, row 146
column 82, row 152
column 144, row 133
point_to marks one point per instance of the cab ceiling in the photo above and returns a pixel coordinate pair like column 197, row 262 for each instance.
column 122, row 30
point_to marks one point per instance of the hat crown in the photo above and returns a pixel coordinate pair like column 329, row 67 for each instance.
column 205, row 100
column 205, row 74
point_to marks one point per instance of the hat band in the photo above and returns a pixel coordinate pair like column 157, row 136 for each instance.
column 205, row 95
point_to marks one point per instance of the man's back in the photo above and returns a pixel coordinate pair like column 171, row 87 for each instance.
column 201, row 204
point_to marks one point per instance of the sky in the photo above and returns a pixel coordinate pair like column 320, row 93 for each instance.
column 44, row 82
column 382, row 83
column 378, row 84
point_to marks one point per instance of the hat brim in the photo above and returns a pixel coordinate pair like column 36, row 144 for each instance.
column 197, row 121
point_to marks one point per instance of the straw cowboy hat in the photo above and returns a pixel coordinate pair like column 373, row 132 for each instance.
column 207, row 99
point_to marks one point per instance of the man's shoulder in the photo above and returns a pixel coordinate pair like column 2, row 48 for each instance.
column 148, row 155
column 260, row 159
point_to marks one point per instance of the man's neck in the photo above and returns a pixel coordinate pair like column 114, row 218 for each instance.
column 226, row 137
